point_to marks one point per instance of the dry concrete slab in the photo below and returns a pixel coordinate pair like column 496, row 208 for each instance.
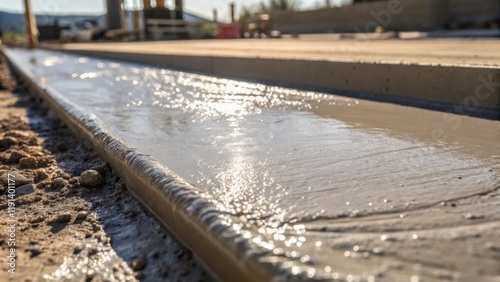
column 481, row 52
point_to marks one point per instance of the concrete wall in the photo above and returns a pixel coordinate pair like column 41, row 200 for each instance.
column 395, row 15
column 475, row 11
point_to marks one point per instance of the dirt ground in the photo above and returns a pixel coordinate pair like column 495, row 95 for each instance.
column 74, row 219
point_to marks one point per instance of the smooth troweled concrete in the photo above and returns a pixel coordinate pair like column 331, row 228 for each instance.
column 454, row 75
column 300, row 185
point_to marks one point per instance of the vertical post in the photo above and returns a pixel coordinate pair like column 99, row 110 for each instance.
column 31, row 29
column 114, row 14
column 123, row 15
column 147, row 4
column 137, row 28
column 179, row 9
column 231, row 6
column 137, row 20
column 160, row 3
column 215, row 15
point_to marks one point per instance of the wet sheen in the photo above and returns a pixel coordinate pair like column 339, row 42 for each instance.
column 295, row 165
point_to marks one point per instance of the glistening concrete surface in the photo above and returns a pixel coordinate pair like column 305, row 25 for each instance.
column 265, row 182
column 453, row 75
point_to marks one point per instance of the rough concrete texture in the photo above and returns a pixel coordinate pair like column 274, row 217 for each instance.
column 64, row 230
column 317, row 186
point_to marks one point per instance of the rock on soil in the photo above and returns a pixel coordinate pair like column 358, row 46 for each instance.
column 15, row 177
column 90, row 178
column 61, row 218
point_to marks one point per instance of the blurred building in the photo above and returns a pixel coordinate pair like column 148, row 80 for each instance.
column 402, row 15
column 50, row 26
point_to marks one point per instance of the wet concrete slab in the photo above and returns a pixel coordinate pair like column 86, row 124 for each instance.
column 453, row 75
column 319, row 186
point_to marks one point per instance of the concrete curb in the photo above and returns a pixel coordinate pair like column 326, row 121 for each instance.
column 191, row 217
column 462, row 89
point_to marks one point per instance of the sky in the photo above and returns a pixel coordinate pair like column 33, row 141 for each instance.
column 199, row 7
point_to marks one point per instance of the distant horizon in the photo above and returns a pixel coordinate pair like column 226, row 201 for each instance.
column 199, row 8
column 73, row 13
column 54, row 14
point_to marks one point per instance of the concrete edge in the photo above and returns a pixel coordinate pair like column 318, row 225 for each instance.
column 465, row 90
column 179, row 206
column 467, row 33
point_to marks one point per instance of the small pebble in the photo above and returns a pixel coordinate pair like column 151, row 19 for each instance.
column 61, row 218
column 7, row 142
column 18, row 134
column 37, row 219
column 41, row 174
column 77, row 249
column 18, row 178
column 28, row 162
column 15, row 156
column 59, row 182
column 90, row 178
column 139, row 264
column 34, row 252
column 140, row 275
column 25, row 189
column 92, row 251
column 82, row 215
